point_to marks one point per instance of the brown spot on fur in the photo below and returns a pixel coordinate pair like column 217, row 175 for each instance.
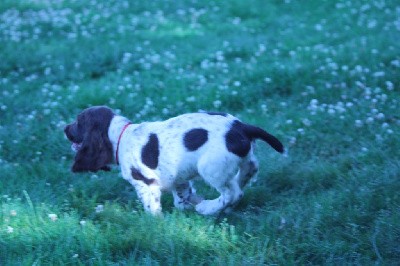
column 137, row 175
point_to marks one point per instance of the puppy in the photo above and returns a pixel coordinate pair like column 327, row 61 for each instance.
column 167, row 155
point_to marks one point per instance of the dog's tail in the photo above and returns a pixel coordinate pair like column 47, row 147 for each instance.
column 253, row 132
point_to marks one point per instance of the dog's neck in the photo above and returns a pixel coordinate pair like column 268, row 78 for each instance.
column 117, row 125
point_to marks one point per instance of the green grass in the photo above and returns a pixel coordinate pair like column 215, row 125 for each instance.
column 323, row 76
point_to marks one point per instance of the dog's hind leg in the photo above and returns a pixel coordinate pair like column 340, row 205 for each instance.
column 248, row 169
column 230, row 194
column 225, row 180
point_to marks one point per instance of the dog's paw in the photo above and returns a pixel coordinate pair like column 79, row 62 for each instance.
column 183, row 206
column 207, row 207
column 195, row 199
column 188, row 203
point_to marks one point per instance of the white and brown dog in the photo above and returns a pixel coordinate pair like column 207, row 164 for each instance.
column 167, row 155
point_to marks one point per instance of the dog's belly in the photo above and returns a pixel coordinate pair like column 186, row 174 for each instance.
column 173, row 174
column 169, row 181
column 185, row 176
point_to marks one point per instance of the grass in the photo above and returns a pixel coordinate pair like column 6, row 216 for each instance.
column 323, row 76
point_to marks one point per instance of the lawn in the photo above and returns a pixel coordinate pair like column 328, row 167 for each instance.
column 322, row 76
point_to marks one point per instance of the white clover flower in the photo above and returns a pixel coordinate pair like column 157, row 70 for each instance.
column 149, row 102
column 306, row 122
column 358, row 123
column 13, row 213
column 155, row 58
column 372, row 24
column 219, row 55
column 82, row 223
column 360, row 84
column 165, row 111
column 378, row 74
column 53, row 217
column 250, row 110
column 262, row 48
column 283, row 223
column 318, row 27
column 126, row 57
column 236, row 21
column 191, row 99
column 358, row 68
column 340, row 109
column 264, row 107
column 99, row 208
column 395, row 63
column 236, row 83
column 369, row 120
column 217, row 103
column 147, row 66
column 389, row 85
column 267, row 80
column 377, row 90
column 205, row 64
column 10, row 229
column 380, row 116
column 47, row 71
column 314, row 102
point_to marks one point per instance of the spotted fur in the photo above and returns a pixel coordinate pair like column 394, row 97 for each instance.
column 167, row 155
column 195, row 138
column 151, row 152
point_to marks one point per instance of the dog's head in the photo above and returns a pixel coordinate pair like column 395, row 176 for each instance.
column 89, row 137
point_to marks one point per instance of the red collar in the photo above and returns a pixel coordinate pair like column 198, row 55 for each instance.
column 119, row 139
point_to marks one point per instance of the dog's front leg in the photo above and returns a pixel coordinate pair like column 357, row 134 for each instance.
column 147, row 188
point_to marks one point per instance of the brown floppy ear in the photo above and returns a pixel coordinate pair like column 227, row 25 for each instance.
column 96, row 150
column 95, row 153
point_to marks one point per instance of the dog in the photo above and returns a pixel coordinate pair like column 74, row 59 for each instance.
column 168, row 155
